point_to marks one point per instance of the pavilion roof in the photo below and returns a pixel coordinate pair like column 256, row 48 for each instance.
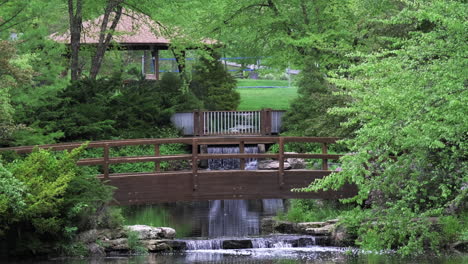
column 133, row 29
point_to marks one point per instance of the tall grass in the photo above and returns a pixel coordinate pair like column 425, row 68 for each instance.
column 155, row 216
column 303, row 210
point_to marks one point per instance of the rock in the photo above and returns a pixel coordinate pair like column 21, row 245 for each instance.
column 303, row 226
column 320, row 231
column 120, row 244
column 305, row 241
column 94, row 235
column 340, row 237
column 285, row 227
column 148, row 232
column 332, row 221
column 96, row 250
column 322, row 241
column 267, row 225
column 296, row 163
column 237, row 244
column 164, row 245
column 271, row 165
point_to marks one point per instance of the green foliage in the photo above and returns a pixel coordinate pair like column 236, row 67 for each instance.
column 102, row 109
column 134, row 243
column 46, row 199
column 410, row 103
column 308, row 114
column 157, row 216
column 312, row 211
column 213, row 85
column 13, row 73
column 165, row 149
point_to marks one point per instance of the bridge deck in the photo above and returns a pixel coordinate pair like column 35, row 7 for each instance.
column 147, row 188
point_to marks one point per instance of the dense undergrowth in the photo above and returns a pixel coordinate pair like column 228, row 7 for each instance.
column 47, row 200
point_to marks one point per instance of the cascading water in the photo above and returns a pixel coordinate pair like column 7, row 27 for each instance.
column 232, row 217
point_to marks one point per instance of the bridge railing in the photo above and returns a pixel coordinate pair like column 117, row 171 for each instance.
column 106, row 160
column 217, row 123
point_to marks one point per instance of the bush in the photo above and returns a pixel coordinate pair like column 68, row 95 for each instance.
column 108, row 108
column 46, row 199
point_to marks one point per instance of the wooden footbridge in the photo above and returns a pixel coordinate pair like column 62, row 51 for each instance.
column 196, row 183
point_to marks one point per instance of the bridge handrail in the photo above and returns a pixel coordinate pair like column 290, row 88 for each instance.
column 195, row 157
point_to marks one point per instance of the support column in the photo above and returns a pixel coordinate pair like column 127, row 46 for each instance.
column 155, row 55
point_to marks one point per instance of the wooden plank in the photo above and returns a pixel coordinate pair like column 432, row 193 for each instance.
column 105, row 165
column 311, row 139
column 117, row 160
column 324, row 161
column 90, row 162
column 242, row 151
column 312, row 156
column 157, row 164
column 194, row 164
column 237, row 156
column 281, row 163
column 170, row 187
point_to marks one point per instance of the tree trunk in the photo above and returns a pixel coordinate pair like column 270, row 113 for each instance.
column 75, row 18
column 105, row 34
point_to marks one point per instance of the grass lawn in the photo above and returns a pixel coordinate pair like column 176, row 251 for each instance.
column 258, row 98
column 252, row 82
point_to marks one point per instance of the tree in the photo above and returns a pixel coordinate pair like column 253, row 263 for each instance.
column 12, row 74
column 410, row 103
column 76, row 23
column 213, row 85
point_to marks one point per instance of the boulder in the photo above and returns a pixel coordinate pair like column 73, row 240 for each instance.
column 95, row 250
column 295, row 163
column 304, row 225
column 237, row 244
column 93, row 235
column 271, row 165
column 267, row 225
column 285, row 227
column 164, row 245
column 120, row 244
column 320, row 231
column 148, row 232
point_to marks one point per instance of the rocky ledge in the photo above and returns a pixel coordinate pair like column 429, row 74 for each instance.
column 153, row 239
column 326, row 233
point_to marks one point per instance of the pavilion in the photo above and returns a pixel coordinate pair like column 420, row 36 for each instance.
column 135, row 31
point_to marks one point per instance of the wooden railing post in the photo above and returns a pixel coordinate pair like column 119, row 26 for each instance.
column 324, row 161
column 195, row 163
column 157, row 164
column 242, row 151
column 196, row 123
column 105, row 166
column 201, row 123
column 268, row 121
column 281, row 162
column 263, row 122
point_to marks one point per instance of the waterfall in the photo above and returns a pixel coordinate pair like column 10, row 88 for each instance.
column 232, row 217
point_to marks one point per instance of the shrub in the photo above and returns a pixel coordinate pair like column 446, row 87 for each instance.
column 46, row 199
column 108, row 108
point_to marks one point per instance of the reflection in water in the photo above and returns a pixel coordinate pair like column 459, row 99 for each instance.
column 321, row 255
